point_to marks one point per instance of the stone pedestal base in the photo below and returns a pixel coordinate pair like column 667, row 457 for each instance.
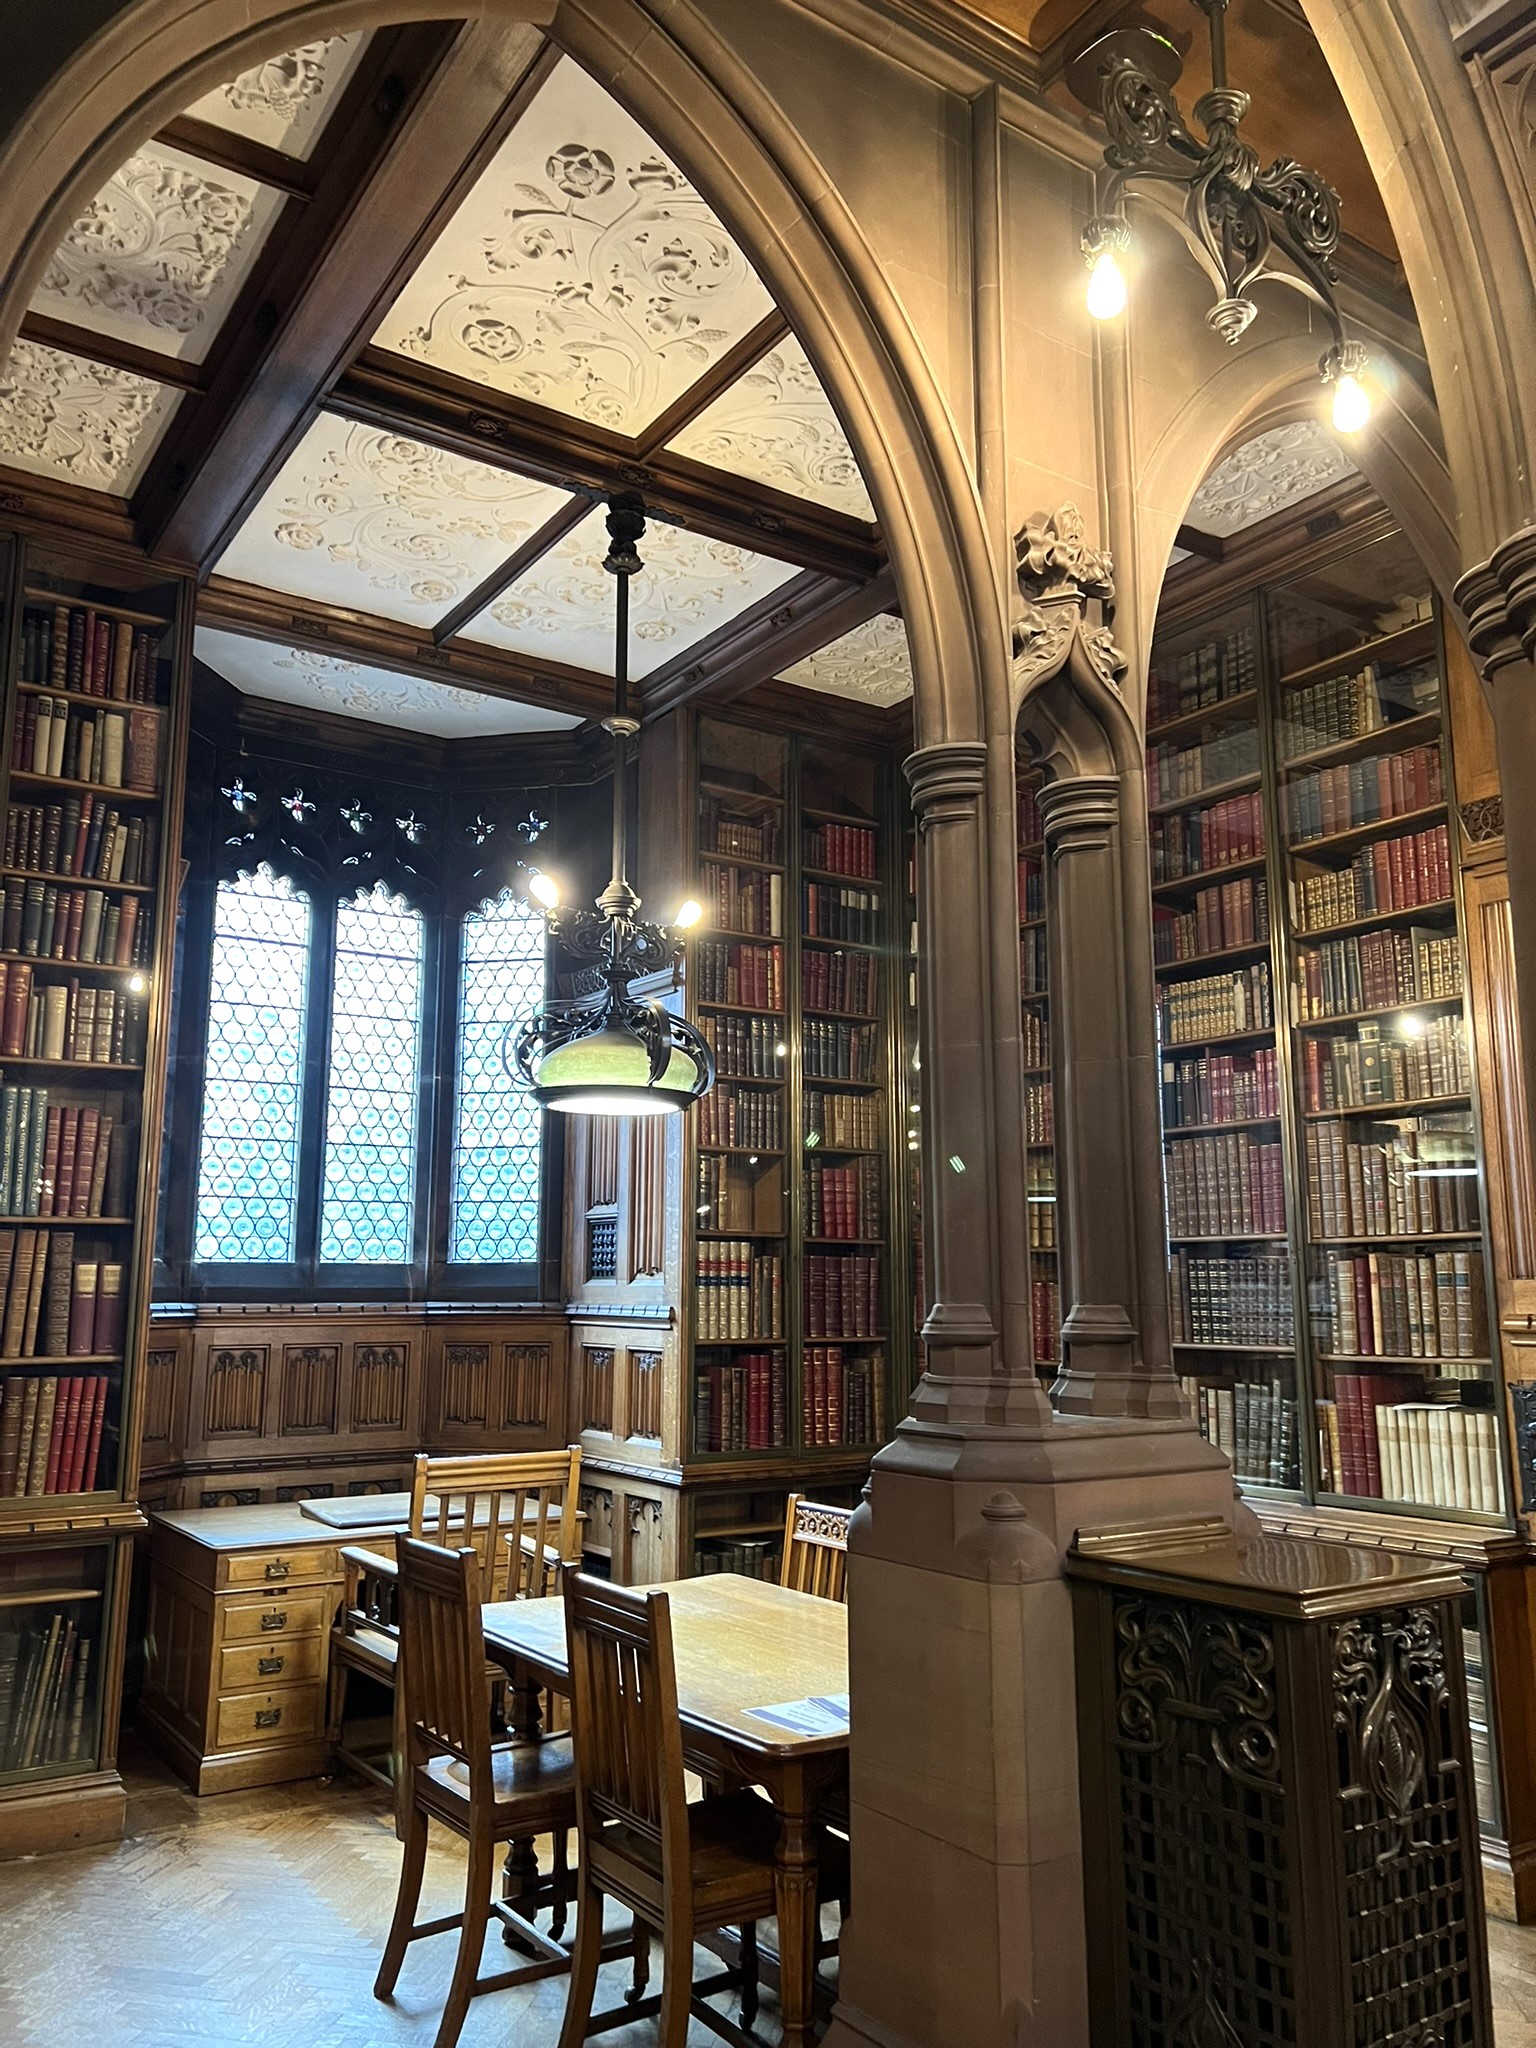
column 967, row 1921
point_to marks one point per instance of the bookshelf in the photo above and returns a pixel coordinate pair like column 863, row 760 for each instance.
column 1039, row 1089
column 95, row 653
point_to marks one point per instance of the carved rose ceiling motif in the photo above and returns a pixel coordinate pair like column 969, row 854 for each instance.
column 353, row 689
column 872, row 663
column 286, row 101
column 63, row 417
column 1274, row 470
column 364, row 518
column 159, row 254
column 776, row 426
column 583, row 272
column 562, row 608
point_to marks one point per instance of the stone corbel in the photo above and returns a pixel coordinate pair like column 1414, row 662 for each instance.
column 1059, row 576
column 1498, row 599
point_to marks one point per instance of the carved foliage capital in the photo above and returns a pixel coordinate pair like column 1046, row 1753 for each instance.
column 1058, row 576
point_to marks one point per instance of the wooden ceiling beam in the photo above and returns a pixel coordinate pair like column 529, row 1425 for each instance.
column 226, row 151
column 426, row 109
column 719, row 377
column 113, row 352
column 382, row 390
column 556, row 528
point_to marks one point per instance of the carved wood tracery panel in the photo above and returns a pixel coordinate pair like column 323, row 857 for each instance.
column 309, row 1389
column 235, row 1400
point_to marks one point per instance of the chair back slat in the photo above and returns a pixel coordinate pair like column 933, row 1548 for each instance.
column 624, row 1720
column 815, row 1548
column 445, row 1701
column 518, row 1510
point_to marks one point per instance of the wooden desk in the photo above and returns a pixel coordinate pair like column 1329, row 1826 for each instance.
column 739, row 1644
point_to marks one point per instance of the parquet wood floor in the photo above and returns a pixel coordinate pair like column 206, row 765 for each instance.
column 255, row 1920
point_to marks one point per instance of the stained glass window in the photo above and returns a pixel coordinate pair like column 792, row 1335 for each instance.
column 498, row 1127
column 368, row 1184
column 248, row 1162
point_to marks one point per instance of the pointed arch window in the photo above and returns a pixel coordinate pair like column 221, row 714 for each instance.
column 498, row 1134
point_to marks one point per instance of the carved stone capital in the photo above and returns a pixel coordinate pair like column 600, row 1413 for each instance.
column 946, row 781
column 1498, row 600
column 1059, row 575
column 1079, row 812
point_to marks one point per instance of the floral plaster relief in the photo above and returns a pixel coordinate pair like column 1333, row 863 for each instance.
column 1274, row 470
column 562, row 608
column 583, row 272
column 776, row 426
column 354, row 689
column 159, row 254
column 286, row 101
column 63, row 417
column 370, row 520
column 872, row 664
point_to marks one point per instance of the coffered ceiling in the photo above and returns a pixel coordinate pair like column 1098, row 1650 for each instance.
column 284, row 104
column 1269, row 474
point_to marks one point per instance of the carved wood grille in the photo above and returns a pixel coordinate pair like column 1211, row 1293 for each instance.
column 1203, row 1830
column 602, row 1247
column 597, row 1386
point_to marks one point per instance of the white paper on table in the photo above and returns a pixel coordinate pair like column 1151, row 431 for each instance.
column 825, row 1714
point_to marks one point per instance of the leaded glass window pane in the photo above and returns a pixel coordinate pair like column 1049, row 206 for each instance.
column 248, row 1160
column 498, row 1127
column 368, row 1186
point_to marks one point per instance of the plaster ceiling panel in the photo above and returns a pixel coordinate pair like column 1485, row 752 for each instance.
column 872, row 664
column 370, row 520
column 285, row 102
column 562, row 608
column 353, row 689
column 159, row 254
column 61, row 416
column 583, row 272
column 775, row 425
column 1266, row 475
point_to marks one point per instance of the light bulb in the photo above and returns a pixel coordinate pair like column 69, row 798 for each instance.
column 137, row 984
column 544, row 889
column 1351, row 404
column 688, row 914
column 1106, row 286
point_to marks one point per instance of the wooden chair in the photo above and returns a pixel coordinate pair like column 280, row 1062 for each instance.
column 452, row 1773
column 682, row 1869
column 815, row 1549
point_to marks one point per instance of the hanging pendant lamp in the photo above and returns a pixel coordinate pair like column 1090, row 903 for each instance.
column 614, row 1053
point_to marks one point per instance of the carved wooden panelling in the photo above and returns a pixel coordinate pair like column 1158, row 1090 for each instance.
column 236, row 1394
column 603, row 1161
column 647, row 1196
column 1507, row 1082
column 378, row 1386
column 309, row 1389
column 527, row 1372
column 229, row 1497
column 358, row 1489
column 645, row 1554
column 159, row 1396
column 308, row 1489
column 602, row 1247
column 597, row 1506
column 643, row 1406
column 597, row 1386
column 466, row 1383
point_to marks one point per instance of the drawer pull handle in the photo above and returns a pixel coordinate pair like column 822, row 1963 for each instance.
column 275, row 1619
column 278, row 1568
column 268, row 1717
column 269, row 1667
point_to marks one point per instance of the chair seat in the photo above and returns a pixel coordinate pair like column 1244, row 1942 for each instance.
column 732, row 1843
column 533, row 1784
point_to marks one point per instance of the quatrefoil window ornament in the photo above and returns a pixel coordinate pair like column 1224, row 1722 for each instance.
column 296, row 805
column 480, row 830
column 241, row 797
column 354, row 815
column 531, row 826
column 413, row 828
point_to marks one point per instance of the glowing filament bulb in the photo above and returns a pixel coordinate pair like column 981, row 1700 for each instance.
column 1106, row 286
column 543, row 889
column 688, row 914
column 1351, row 404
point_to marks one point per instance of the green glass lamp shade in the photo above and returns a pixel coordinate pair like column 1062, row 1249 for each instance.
column 607, row 1073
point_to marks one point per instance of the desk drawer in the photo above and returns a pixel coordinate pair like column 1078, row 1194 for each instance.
column 248, row 1619
column 278, row 1567
column 292, row 1715
column 284, row 1660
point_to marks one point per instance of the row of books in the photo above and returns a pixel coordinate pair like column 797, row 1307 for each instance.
column 1031, row 887
column 1175, row 771
column 1401, row 1305
column 724, row 829
column 749, row 977
column 1034, row 962
column 1227, row 914
column 1363, row 1067
column 1221, row 1088
column 843, row 1294
column 834, row 910
column 1045, row 1320
column 115, row 749
column 747, row 1119
column 50, row 1434
column 752, row 1557
column 740, row 1291
column 843, row 1201
column 1376, row 971
column 1403, row 873
column 842, row 1396
column 1039, row 1113
column 1411, row 1179
column 1346, row 707
column 1035, row 1032
column 1215, row 1006
column 842, row 1122
column 1379, row 1442
column 1232, row 1182
column 730, row 1198
column 60, row 1159
column 45, row 1690
column 1198, row 676
column 75, row 647
column 53, row 1305
column 61, row 1020
column 1041, row 1204
column 840, row 981
column 742, row 1403
column 749, row 1048
column 1236, row 1301
column 1254, row 1422
column 49, row 923
column 840, row 850
column 1029, row 825
column 1194, row 842
column 839, row 1052
column 1333, row 800
column 743, row 900
column 83, row 837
